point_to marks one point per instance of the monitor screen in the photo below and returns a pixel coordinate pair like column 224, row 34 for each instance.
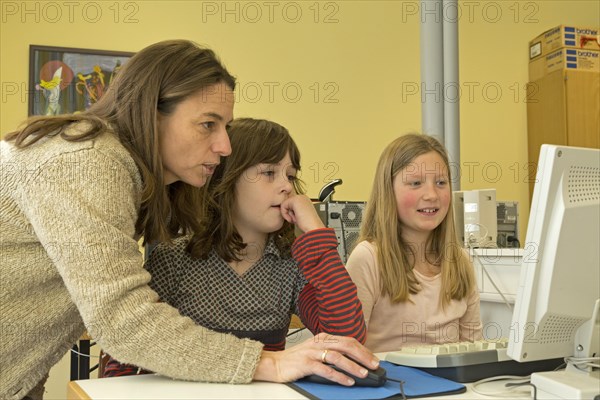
column 556, row 307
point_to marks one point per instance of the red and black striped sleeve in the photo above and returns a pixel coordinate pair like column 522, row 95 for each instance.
column 114, row 368
column 328, row 302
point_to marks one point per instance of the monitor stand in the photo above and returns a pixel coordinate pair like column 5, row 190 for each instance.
column 574, row 383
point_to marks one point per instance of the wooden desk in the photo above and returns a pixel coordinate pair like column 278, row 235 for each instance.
column 155, row 387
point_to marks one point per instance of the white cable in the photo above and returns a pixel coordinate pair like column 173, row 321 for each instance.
column 491, row 280
column 86, row 355
column 508, row 378
column 472, row 240
column 583, row 362
column 582, row 359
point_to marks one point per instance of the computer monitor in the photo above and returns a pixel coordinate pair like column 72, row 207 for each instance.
column 556, row 310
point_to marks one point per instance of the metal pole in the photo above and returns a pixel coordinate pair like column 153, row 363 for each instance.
column 432, row 72
column 451, row 87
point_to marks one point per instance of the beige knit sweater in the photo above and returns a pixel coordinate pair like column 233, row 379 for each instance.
column 69, row 261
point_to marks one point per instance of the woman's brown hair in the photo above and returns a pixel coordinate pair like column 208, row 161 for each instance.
column 155, row 80
column 253, row 142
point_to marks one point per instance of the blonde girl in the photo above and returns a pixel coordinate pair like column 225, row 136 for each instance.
column 414, row 280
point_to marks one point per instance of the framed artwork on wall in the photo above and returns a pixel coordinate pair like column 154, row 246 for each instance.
column 66, row 80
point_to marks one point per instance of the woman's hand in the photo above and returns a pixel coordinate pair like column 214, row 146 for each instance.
column 310, row 356
column 299, row 210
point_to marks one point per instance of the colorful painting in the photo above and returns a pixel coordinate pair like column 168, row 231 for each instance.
column 66, row 80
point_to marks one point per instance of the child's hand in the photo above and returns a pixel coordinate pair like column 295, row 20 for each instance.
column 299, row 210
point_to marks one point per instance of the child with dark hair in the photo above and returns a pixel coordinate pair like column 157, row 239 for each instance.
column 243, row 273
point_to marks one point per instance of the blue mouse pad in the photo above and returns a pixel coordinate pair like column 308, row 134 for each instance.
column 416, row 384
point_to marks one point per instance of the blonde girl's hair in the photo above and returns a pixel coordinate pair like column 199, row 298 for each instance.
column 395, row 256
column 154, row 81
column 253, row 142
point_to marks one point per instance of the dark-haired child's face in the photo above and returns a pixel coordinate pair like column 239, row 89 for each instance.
column 422, row 192
column 259, row 192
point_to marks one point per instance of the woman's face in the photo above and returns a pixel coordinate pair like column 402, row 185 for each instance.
column 193, row 138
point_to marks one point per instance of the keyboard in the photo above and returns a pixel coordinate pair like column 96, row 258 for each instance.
column 468, row 361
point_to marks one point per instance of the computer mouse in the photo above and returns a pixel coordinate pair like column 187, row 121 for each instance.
column 375, row 377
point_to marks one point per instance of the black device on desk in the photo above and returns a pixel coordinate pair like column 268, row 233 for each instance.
column 375, row 377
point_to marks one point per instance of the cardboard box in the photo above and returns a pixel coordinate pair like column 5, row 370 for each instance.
column 564, row 36
column 564, row 58
column 562, row 108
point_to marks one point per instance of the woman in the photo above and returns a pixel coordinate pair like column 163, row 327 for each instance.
column 77, row 193
column 247, row 246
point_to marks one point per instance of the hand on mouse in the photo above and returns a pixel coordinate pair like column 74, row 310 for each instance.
column 310, row 356
column 375, row 377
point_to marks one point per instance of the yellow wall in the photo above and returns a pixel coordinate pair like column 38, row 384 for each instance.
column 362, row 56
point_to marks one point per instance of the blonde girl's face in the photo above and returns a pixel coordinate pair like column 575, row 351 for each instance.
column 422, row 191
column 259, row 192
